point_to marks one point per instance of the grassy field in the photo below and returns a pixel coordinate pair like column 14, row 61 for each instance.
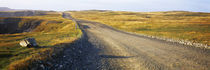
column 52, row 32
column 178, row 25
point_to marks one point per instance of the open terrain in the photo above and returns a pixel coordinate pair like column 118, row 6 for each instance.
column 50, row 30
column 105, row 48
column 98, row 46
column 177, row 25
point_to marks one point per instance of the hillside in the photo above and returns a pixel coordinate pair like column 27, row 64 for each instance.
column 51, row 31
column 6, row 9
column 22, row 13
column 177, row 25
column 105, row 48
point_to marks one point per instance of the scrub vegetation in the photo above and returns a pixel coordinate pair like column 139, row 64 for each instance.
column 177, row 25
column 51, row 34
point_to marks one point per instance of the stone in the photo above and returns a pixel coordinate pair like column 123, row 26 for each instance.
column 42, row 66
column 49, row 64
column 28, row 42
column 61, row 66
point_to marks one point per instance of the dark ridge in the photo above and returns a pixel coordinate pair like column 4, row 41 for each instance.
column 16, row 25
column 22, row 13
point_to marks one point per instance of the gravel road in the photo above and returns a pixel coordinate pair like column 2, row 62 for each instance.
column 105, row 48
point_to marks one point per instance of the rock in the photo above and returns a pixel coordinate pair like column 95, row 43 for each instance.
column 34, row 68
column 28, row 42
column 49, row 63
column 80, row 51
column 61, row 66
column 42, row 66
column 56, row 65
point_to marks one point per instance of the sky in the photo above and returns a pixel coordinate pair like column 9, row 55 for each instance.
column 116, row 5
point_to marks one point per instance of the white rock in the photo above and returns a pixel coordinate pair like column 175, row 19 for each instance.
column 42, row 66
column 28, row 42
column 61, row 66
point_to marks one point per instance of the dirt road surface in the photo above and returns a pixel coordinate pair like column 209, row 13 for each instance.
column 105, row 48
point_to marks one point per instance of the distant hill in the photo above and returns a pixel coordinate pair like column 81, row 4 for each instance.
column 8, row 12
column 6, row 9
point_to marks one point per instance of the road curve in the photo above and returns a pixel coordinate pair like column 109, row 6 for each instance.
column 105, row 48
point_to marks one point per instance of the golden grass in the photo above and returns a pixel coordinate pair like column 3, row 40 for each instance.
column 190, row 26
column 51, row 33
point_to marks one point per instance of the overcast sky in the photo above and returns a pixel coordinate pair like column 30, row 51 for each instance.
column 117, row 5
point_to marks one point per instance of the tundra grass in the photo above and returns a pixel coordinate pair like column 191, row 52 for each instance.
column 53, row 31
column 178, row 25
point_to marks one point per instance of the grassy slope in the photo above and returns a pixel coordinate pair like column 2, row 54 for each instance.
column 53, row 30
column 190, row 26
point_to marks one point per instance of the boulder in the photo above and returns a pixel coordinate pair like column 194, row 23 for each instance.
column 28, row 42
